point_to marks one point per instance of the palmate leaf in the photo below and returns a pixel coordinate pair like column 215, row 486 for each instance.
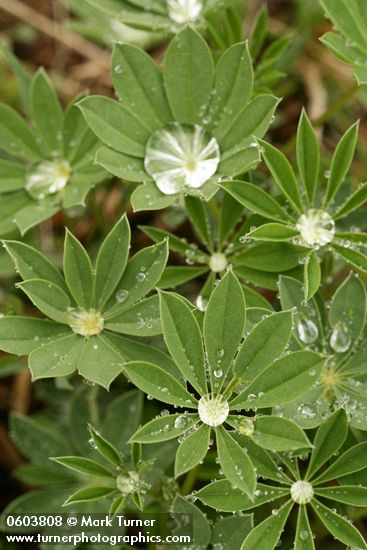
column 194, row 74
column 352, row 460
column 31, row 264
column 304, row 536
column 267, row 533
column 141, row 319
column 128, row 62
column 279, row 434
column 353, row 257
column 108, row 273
column 165, row 428
column 263, row 345
column 235, row 463
column 46, row 112
column 351, row 495
column 184, row 340
column 98, row 351
column 115, row 125
column 341, row 161
column 198, row 215
column 105, row 448
column 281, row 382
column 230, row 531
column 198, row 524
column 57, row 358
column 48, row 298
column 339, row 527
column 78, row 271
column 90, row 494
column 192, row 450
column 159, row 384
column 329, row 438
column 221, row 495
column 349, row 306
column 21, row 335
column 308, row 156
column 224, row 323
column 15, row 136
column 255, row 199
column 273, row 232
column 84, row 466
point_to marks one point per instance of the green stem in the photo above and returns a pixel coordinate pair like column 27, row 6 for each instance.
column 190, row 481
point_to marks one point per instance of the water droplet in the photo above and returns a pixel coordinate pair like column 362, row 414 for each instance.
column 181, row 156
column 307, row 329
column 121, row 295
column 201, row 303
column 213, row 409
column 316, row 227
column 180, row 422
column 184, row 11
column 140, row 277
column 218, row 373
column 47, row 178
column 340, row 339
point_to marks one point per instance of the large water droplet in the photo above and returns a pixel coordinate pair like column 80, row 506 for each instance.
column 201, row 303
column 307, row 329
column 340, row 339
column 180, row 422
column 47, row 178
column 184, row 11
column 181, row 156
column 316, row 227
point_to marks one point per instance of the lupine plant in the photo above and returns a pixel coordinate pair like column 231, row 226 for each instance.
column 197, row 337
column 46, row 165
column 349, row 42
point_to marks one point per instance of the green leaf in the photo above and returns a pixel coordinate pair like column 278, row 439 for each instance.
column 12, row 176
column 89, row 494
column 349, row 18
column 184, row 340
column 312, row 275
column 224, row 323
column 339, row 527
column 15, row 136
column 105, row 448
column 308, row 156
column 283, row 174
column 100, row 362
column 141, row 319
column 304, row 535
column 115, row 125
column 222, row 496
column 119, row 433
column 175, row 276
column 133, row 350
column 46, row 111
column 165, row 428
column 23, row 78
column 108, row 273
column 281, row 382
column 233, row 84
column 279, row 434
column 357, row 259
column 83, row 465
column 159, row 384
column 29, row 433
column 192, row 450
column 228, row 533
column 230, row 214
column 31, row 264
column 21, row 335
column 198, row 216
column 128, row 64
column 238, row 160
column 353, row 202
column 122, row 166
column 48, row 298
column 351, row 495
column 272, row 232
column 192, row 521
column 37, row 476
column 249, row 123
column 341, row 161
column 348, row 306
column 329, row 437
column 57, row 358
column 78, row 271
column 188, row 76
column 273, row 257
column 265, row 466
column 352, row 460
column 256, row 200
column 263, row 345
column 267, row 533
column 235, row 463
column 34, row 213
column 140, row 276
column 148, row 197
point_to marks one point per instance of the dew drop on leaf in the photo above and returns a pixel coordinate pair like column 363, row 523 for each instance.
column 340, row 339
